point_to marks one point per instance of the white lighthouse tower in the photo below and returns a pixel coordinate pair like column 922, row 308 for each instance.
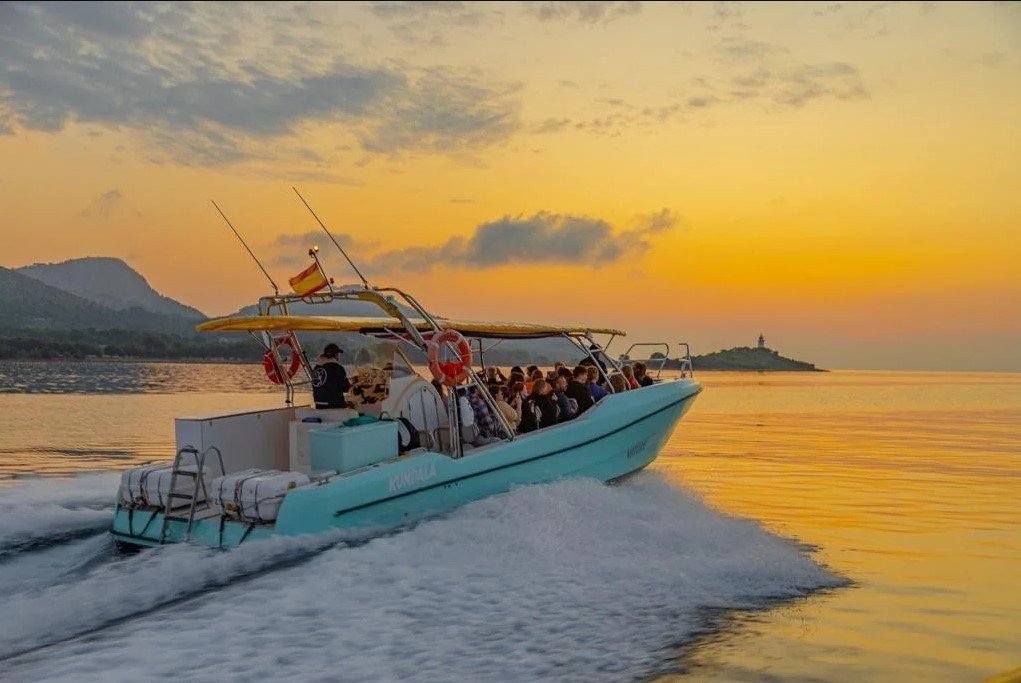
column 762, row 342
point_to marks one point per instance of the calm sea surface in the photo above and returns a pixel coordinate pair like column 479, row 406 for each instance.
column 818, row 526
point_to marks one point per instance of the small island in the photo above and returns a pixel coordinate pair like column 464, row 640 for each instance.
column 745, row 358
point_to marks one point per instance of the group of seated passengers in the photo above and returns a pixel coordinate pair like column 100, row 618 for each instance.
column 530, row 400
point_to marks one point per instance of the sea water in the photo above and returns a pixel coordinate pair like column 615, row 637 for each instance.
column 833, row 526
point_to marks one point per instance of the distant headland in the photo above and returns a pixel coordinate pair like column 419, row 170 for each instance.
column 748, row 358
column 759, row 358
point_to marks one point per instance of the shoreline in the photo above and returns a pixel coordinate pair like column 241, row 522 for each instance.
column 134, row 360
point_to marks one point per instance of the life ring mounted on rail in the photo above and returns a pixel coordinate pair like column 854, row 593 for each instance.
column 451, row 372
column 269, row 360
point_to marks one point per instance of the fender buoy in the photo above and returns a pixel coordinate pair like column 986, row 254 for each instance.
column 269, row 361
column 451, row 372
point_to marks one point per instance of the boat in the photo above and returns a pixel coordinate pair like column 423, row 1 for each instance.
column 404, row 447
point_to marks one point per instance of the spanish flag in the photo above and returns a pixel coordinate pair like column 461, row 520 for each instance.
column 309, row 281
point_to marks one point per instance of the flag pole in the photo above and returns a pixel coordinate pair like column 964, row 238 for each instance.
column 276, row 290
column 332, row 238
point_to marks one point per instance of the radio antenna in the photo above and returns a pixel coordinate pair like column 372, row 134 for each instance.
column 334, row 239
column 276, row 290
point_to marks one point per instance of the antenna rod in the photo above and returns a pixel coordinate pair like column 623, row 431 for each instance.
column 330, row 234
column 276, row 290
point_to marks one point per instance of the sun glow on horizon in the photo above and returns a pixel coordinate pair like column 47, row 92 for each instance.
column 843, row 178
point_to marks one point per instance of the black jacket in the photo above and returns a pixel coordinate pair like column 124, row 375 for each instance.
column 548, row 413
column 564, row 412
column 329, row 382
column 537, row 412
column 580, row 393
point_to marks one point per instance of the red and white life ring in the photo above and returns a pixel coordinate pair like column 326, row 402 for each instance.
column 269, row 360
column 451, row 372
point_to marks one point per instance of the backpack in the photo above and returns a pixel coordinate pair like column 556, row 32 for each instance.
column 407, row 434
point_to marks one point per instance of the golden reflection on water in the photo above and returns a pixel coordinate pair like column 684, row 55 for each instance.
column 907, row 483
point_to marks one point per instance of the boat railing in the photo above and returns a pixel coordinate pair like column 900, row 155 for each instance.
column 687, row 370
column 626, row 356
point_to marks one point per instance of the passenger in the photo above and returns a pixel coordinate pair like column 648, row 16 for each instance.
column 517, row 392
column 629, row 375
column 592, row 382
column 538, row 410
column 329, row 380
column 494, row 376
column 617, row 382
column 531, row 370
column 517, row 369
column 511, row 409
column 597, row 353
column 579, row 391
column 488, row 425
column 567, row 407
column 533, row 375
column 641, row 375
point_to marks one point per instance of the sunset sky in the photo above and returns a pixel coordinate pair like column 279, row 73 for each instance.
column 844, row 178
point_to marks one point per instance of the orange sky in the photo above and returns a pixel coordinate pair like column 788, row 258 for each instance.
column 841, row 177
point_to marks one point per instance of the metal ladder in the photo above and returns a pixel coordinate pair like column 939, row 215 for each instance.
column 193, row 497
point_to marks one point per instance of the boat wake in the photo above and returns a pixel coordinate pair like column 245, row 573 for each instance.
column 572, row 580
column 38, row 513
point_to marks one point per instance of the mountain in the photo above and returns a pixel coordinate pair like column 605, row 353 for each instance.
column 109, row 282
column 26, row 304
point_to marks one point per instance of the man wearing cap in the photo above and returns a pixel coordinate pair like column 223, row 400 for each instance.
column 329, row 380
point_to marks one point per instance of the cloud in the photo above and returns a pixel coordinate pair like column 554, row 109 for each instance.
column 591, row 12
column 104, row 205
column 446, row 110
column 542, row 238
column 552, row 126
column 758, row 70
column 799, row 84
column 427, row 22
column 745, row 49
column 187, row 79
column 291, row 249
column 726, row 15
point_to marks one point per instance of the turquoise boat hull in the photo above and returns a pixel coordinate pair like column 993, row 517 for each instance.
column 619, row 436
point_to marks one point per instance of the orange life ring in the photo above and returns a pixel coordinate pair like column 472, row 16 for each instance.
column 451, row 372
column 269, row 360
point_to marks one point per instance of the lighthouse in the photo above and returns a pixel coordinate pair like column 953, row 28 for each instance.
column 762, row 342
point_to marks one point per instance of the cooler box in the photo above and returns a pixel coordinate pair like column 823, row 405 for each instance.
column 306, row 420
column 349, row 448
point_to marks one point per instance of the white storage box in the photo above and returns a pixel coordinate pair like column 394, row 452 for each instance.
column 150, row 485
column 133, row 481
column 246, row 439
column 254, row 495
column 349, row 448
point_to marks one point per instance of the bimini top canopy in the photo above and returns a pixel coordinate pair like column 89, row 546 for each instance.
column 305, row 323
